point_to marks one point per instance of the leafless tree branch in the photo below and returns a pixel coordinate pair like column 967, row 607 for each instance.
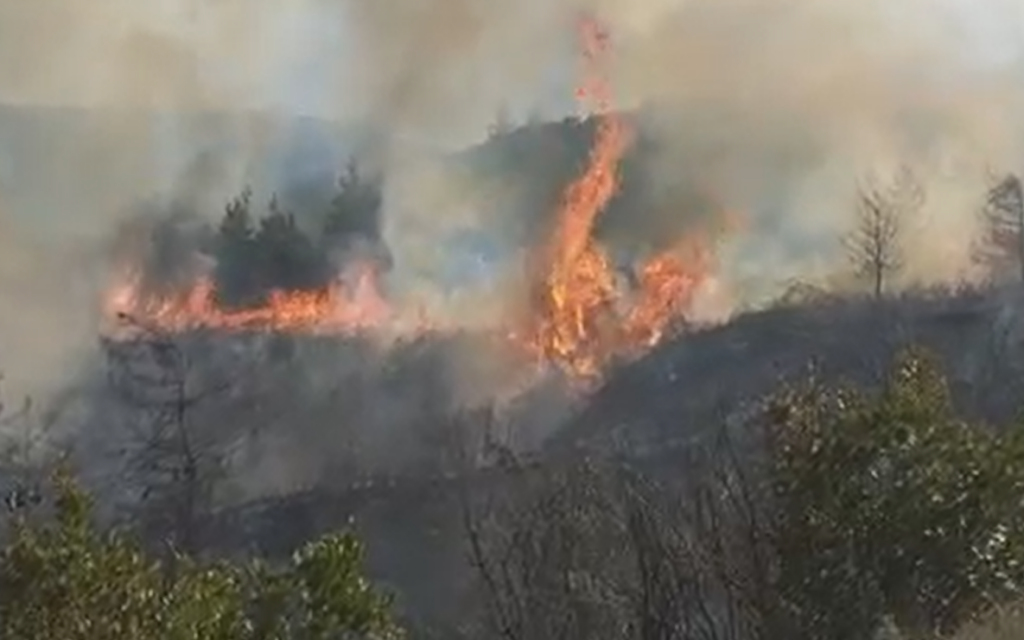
column 875, row 244
column 1000, row 248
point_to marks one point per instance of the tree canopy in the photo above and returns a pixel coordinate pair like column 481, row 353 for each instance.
column 891, row 506
column 61, row 577
column 259, row 253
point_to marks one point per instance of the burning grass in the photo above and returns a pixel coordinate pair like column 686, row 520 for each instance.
column 580, row 317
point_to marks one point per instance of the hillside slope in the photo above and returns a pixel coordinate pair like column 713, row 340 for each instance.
column 699, row 379
column 656, row 407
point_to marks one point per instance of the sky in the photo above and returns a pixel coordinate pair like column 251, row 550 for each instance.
column 296, row 55
column 313, row 39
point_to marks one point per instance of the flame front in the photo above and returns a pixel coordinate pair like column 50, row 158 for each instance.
column 341, row 307
column 668, row 285
column 580, row 318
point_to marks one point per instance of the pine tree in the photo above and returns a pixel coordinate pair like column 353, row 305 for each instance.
column 235, row 250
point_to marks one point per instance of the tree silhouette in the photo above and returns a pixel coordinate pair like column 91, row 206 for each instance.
column 258, row 255
column 874, row 245
column 235, row 253
column 288, row 259
column 1001, row 247
column 355, row 210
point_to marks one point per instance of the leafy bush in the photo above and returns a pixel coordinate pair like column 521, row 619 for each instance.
column 891, row 506
column 61, row 578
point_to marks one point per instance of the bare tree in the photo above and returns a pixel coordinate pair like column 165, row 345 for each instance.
column 1000, row 249
column 548, row 550
column 600, row 550
column 875, row 244
column 176, row 464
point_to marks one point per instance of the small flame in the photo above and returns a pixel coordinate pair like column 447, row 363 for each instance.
column 668, row 283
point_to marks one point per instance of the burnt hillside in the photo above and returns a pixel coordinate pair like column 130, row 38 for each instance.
column 517, row 179
column 651, row 411
column 703, row 377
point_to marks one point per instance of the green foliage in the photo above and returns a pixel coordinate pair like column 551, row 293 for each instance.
column 61, row 578
column 890, row 506
column 287, row 258
column 236, row 251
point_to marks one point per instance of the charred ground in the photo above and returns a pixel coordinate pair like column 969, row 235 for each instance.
column 380, row 435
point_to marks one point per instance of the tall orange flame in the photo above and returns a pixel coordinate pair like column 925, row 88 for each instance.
column 579, row 322
column 579, row 289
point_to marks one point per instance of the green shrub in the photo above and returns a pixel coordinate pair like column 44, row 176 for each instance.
column 61, row 578
column 890, row 506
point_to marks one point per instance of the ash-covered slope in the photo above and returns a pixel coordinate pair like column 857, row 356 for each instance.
column 292, row 411
column 657, row 405
column 691, row 384
column 313, row 431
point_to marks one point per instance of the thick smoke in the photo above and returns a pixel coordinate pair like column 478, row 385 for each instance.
column 787, row 105
column 769, row 108
column 49, row 300
column 111, row 111
column 164, row 55
column 776, row 109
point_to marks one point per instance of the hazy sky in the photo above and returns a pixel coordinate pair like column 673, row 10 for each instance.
column 313, row 39
column 288, row 52
column 293, row 54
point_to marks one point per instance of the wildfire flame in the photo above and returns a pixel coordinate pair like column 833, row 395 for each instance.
column 580, row 318
column 579, row 323
column 343, row 306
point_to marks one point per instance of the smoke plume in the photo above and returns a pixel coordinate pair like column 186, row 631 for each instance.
column 769, row 109
column 773, row 110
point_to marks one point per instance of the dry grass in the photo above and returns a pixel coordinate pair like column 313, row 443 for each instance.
column 1003, row 624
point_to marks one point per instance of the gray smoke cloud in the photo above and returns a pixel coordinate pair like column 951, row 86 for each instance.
column 111, row 110
column 775, row 108
column 790, row 104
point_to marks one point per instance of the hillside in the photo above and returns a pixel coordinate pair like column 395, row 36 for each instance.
column 320, row 430
column 518, row 176
column 707, row 376
column 652, row 410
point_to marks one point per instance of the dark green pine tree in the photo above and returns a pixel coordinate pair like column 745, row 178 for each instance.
column 288, row 259
column 355, row 210
column 234, row 249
